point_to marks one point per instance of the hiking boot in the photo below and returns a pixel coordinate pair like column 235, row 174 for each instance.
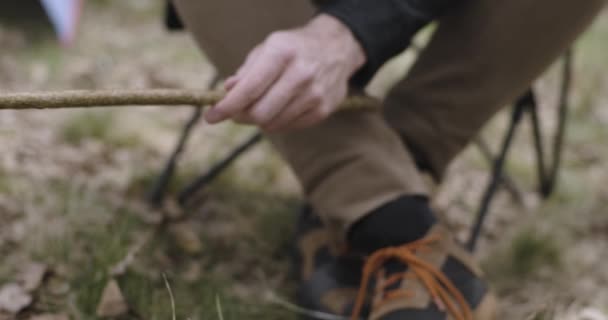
column 329, row 282
column 312, row 249
column 433, row 278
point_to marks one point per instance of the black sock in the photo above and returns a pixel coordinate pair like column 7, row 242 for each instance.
column 398, row 222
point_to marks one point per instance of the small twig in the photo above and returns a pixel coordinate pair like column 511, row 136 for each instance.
column 218, row 305
column 274, row 299
column 170, row 296
column 115, row 98
column 121, row 267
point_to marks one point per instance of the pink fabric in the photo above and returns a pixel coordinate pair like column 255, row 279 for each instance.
column 64, row 15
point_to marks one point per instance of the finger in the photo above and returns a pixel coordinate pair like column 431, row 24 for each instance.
column 230, row 83
column 296, row 108
column 264, row 71
column 278, row 98
column 243, row 118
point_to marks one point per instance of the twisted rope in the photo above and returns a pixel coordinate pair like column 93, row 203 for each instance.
column 116, row 98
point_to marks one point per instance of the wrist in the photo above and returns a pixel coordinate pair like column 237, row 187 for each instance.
column 337, row 33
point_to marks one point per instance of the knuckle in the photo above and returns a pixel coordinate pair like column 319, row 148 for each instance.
column 305, row 73
column 287, row 52
column 280, row 44
column 254, row 92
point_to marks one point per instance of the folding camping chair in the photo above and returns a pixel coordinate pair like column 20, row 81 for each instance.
column 547, row 161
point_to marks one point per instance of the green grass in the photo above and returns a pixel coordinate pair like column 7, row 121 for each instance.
column 522, row 257
column 5, row 182
column 197, row 300
column 96, row 125
column 85, row 235
column 87, row 125
column 531, row 251
column 244, row 223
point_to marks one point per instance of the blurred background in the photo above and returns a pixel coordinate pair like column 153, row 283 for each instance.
column 78, row 241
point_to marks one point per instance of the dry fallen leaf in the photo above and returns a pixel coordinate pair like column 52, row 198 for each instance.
column 32, row 275
column 113, row 303
column 58, row 286
column 186, row 238
column 13, row 298
column 172, row 210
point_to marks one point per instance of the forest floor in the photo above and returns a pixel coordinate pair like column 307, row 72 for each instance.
column 73, row 219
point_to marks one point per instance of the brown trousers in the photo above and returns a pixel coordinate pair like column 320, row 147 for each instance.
column 482, row 56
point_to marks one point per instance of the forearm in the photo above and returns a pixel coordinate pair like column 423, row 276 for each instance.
column 384, row 28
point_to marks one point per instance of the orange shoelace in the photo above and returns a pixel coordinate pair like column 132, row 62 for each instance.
column 441, row 289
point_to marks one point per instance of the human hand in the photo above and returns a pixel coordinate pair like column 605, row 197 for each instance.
column 294, row 79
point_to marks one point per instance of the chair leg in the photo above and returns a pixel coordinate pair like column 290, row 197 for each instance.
column 548, row 172
column 190, row 190
column 498, row 169
column 158, row 191
column 506, row 179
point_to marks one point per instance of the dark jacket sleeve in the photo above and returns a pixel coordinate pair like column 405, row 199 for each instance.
column 383, row 27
